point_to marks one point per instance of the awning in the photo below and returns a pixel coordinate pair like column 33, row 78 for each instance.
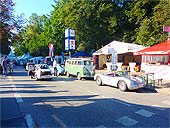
column 159, row 49
column 119, row 47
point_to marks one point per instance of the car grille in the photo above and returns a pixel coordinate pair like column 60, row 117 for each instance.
column 46, row 73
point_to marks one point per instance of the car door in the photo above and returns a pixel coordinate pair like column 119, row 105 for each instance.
column 113, row 80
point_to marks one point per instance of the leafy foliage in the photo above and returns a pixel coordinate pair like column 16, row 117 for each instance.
column 97, row 22
column 9, row 25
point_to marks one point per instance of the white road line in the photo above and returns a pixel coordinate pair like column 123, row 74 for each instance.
column 29, row 121
column 13, row 85
column 126, row 121
column 145, row 113
column 17, row 96
column 93, row 93
column 121, row 102
column 59, row 121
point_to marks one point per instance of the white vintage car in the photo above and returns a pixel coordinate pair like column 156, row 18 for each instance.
column 123, row 82
column 40, row 71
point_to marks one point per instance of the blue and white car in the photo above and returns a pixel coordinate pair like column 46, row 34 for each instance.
column 123, row 82
column 60, row 69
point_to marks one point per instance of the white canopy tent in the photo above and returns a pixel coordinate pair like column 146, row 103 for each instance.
column 27, row 56
column 124, row 53
column 120, row 47
column 11, row 56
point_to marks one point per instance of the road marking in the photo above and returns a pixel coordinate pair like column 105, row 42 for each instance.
column 59, row 121
column 29, row 121
column 93, row 93
column 145, row 113
column 13, row 86
column 121, row 102
column 17, row 96
column 126, row 121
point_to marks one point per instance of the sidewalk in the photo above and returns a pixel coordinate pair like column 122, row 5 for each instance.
column 164, row 89
column 10, row 115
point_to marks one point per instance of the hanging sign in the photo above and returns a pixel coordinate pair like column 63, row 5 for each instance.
column 108, row 50
column 69, row 33
column 51, row 48
column 69, row 44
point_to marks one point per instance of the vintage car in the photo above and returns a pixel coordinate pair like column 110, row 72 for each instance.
column 59, row 69
column 28, row 66
column 123, row 82
column 40, row 71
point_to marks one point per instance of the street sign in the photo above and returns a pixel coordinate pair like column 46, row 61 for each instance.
column 166, row 29
column 72, row 44
column 69, row 44
column 69, row 33
column 109, row 50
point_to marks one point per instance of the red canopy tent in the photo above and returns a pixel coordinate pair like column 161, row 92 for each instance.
column 159, row 49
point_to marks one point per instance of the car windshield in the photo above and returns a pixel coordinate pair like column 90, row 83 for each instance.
column 89, row 63
column 44, row 67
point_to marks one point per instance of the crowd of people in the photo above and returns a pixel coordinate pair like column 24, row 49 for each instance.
column 5, row 66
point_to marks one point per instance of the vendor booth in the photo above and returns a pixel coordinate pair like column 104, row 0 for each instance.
column 124, row 55
column 12, row 57
column 156, row 60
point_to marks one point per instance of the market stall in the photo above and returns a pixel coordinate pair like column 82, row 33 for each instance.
column 156, row 60
column 124, row 55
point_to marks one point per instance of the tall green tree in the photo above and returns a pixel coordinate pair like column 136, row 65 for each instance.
column 150, row 31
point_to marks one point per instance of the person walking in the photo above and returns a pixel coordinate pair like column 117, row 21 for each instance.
column 4, row 66
column 10, row 66
column 55, row 67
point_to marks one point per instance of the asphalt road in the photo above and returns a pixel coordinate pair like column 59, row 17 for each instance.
column 68, row 102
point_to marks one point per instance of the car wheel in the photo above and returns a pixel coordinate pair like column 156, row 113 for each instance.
column 99, row 81
column 78, row 76
column 67, row 74
column 122, row 85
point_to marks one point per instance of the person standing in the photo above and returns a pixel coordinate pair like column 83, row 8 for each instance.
column 10, row 66
column 4, row 66
column 55, row 67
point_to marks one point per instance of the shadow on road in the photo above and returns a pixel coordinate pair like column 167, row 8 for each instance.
column 94, row 111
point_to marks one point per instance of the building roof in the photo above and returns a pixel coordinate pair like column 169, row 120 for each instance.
column 159, row 49
column 120, row 47
column 80, row 54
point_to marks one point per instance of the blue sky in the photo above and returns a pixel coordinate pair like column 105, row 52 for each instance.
column 32, row 6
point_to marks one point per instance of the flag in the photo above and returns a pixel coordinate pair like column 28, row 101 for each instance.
column 62, row 57
column 51, row 48
column 91, row 55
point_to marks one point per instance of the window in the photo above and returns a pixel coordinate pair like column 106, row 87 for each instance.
column 72, row 62
column 79, row 63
